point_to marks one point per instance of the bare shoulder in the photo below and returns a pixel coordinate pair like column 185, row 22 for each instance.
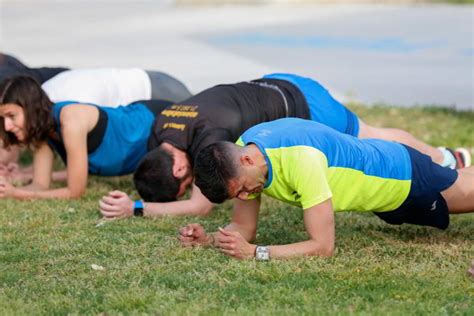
column 79, row 115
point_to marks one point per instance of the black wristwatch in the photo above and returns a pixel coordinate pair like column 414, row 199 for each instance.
column 138, row 208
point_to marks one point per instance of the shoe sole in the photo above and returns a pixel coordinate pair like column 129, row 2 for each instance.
column 466, row 155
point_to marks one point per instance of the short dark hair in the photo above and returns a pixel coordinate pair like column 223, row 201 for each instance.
column 26, row 92
column 154, row 178
column 214, row 167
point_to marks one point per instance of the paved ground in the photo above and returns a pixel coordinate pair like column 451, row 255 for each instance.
column 397, row 54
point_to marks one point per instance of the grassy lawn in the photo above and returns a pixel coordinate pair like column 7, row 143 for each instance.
column 458, row 1
column 47, row 249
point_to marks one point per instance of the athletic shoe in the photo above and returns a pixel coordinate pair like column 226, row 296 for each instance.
column 462, row 156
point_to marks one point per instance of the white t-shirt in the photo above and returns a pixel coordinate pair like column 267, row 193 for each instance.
column 102, row 86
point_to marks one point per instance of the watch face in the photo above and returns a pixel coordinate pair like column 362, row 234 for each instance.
column 262, row 253
column 138, row 208
column 138, row 212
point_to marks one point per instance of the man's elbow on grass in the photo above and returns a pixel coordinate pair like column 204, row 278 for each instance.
column 75, row 194
column 204, row 210
column 198, row 204
column 197, row 209
column 321, row 249
column 327, row 251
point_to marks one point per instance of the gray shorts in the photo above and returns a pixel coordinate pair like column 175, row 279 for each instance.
column 165, row 87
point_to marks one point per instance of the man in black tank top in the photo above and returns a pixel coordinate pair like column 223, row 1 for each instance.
column 219, row 113
column 223, row 113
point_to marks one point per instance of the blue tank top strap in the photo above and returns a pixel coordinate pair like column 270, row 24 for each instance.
column 57, row 145
column 57, row 108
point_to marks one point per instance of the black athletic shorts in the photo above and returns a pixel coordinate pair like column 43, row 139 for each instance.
column 424, row 205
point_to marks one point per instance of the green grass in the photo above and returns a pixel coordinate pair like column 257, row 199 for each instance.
column 459, row 1
column 47, row 248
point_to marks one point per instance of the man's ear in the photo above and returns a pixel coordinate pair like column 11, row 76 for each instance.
column 180, row 167
column 246, row 160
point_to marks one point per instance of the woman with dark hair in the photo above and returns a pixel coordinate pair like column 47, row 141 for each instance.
column 88, row 138
column 107, row 87
column 9, row 67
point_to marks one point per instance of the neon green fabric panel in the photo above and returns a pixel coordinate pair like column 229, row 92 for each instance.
column 299, row 176
column 355, row 191
column 240, row 142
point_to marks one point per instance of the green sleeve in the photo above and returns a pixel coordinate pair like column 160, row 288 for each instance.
column 240, row 142
column 309, row 177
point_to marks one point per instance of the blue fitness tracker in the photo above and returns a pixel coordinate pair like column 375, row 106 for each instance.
column 138, row 208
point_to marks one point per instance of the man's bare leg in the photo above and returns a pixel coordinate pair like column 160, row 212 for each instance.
column 401, row 136
column 460, row 196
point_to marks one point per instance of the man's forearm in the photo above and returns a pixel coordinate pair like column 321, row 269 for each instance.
column 304, row 248
column 177, row 208
column 232, row 242
column 31, row 193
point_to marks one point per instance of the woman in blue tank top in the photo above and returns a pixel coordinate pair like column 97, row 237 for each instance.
column 89, row 139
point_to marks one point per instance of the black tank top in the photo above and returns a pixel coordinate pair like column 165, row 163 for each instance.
column 224, row 112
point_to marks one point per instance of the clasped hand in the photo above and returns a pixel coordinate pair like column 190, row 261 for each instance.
column 6, row 188
column 228, row 242
column 115, row 205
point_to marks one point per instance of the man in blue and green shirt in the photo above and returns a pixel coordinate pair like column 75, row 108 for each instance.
column 321, row 170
